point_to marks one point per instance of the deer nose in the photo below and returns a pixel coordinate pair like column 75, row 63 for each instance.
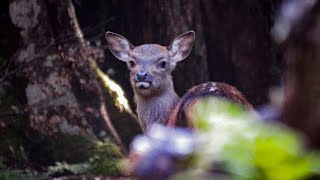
column 141, row 76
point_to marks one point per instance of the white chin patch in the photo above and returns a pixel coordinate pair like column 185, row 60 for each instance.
column 143, row 85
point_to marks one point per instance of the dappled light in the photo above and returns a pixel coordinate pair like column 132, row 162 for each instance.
column 113, row 87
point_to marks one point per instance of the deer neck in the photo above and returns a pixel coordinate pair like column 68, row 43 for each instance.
column 155, row 109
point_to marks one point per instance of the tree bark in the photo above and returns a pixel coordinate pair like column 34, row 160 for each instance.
column 241, row 50
column 62, row 91
column 302, row 87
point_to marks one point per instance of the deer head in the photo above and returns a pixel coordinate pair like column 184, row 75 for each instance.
column 150, row 65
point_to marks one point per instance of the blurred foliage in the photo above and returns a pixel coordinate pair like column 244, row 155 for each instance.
column 6, row 99
column 104, row 159
column 6, row 173
column 236, row 144
column 12, row 143
column 19, row 174
column 25, row 153
column 3, row 62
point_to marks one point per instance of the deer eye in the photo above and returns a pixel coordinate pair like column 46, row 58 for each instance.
column 163, row 64
column 131, row 64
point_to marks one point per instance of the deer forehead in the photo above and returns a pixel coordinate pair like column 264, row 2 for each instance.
column 149, row 52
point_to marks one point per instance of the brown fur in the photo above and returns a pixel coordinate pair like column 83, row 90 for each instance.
column 178, row 116
column 153, row 105
column 155, row 109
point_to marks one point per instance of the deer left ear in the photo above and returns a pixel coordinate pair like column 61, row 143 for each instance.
column 119, row 46
column 181, row 47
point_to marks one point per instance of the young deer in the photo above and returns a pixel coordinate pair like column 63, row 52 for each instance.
column 150, row 68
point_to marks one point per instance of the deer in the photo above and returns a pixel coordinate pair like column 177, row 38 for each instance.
column 150, row 67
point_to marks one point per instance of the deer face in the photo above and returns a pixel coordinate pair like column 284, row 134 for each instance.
column 150, row 65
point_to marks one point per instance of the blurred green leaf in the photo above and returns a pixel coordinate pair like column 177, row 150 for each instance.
column 246, row 147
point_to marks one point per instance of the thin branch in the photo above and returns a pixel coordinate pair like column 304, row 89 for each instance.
column 85, row 55
column 105, row 115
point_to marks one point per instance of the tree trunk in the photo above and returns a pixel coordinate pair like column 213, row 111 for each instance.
column 302, row 87
column 62, row 91
column 240, row 47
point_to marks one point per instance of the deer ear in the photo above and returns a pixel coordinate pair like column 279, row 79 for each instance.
column 181, row 47
column 119, row 46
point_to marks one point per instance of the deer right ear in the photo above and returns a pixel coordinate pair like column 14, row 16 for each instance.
column 181, row 47
column 119, row 46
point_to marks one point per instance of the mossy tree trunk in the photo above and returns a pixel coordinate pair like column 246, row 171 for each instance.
column 63, row 93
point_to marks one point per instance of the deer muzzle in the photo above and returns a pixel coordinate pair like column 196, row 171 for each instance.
column 142, row 79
